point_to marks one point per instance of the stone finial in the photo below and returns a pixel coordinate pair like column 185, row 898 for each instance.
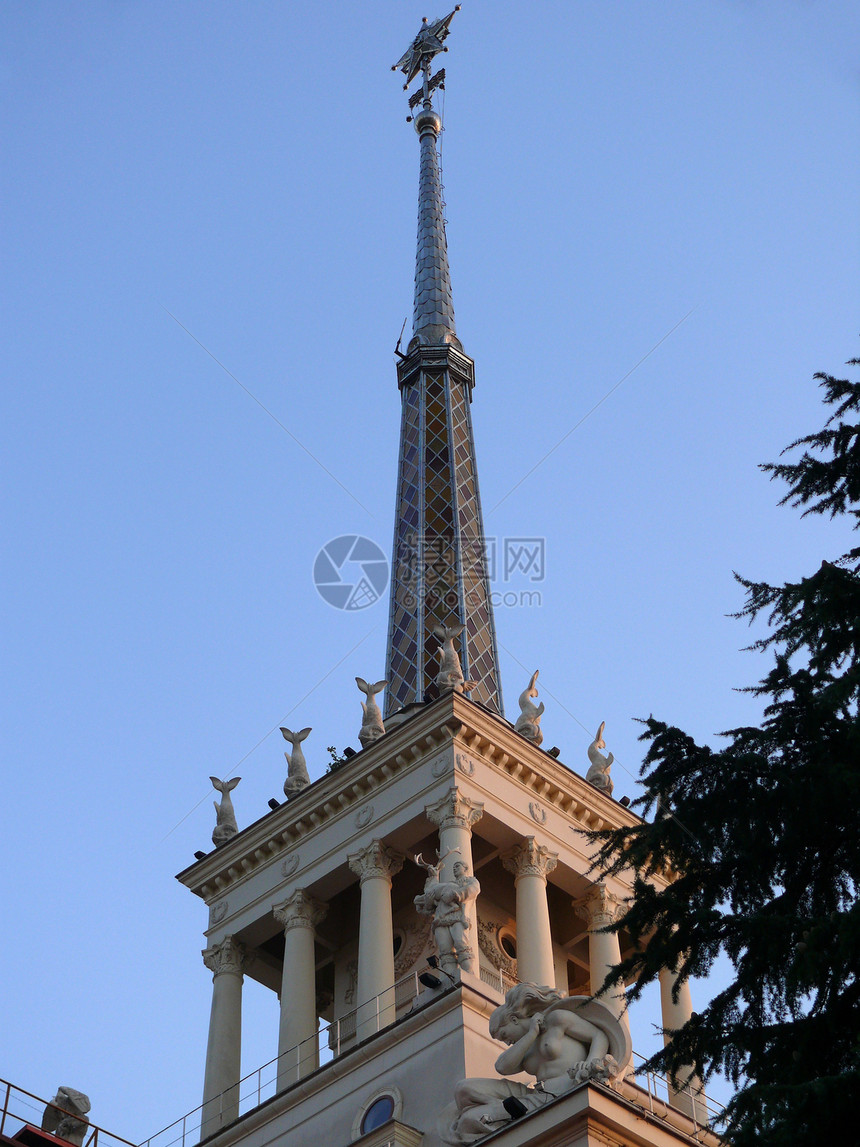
column 65, row 1115
column 372, row 727
column 298, row 777
column 598, row 770
column 528, row 722
column 225, row 816
column 450, row 675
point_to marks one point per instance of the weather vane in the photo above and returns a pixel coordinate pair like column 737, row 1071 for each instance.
column 419, row 57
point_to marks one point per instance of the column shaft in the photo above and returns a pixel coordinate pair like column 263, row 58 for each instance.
column 531, row 862
column 689, row 1095
column 599, row 908
column 224, row 1047
column 375, row 865
column 298, row 1050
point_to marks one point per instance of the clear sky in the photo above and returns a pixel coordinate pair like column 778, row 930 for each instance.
column 612, row 170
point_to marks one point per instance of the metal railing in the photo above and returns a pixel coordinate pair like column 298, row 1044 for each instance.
column 19, row 1107
column 659, row 1094
column 653, row 1092
column 286, row 1070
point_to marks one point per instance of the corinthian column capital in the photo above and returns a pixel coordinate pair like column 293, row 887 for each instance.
column 375, row 861
column 230, row 957
column 530, row 859
column 599, row 907
column 455, row 809
column 300, row 911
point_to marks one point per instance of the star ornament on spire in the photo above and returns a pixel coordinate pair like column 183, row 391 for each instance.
column 426, row 45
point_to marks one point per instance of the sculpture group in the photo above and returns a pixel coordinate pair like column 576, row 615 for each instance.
column 445, row 901
column 562, row 1041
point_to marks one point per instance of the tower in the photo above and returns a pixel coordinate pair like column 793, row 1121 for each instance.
column 336, row 899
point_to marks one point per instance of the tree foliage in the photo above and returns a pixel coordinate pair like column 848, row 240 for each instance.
column 762, row 837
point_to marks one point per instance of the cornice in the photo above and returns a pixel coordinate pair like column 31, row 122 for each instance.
column 450, row 720
column 499, row 745
column 324, row 800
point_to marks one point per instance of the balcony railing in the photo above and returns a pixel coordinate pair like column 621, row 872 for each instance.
column 20, row 1107
column 284, row 1071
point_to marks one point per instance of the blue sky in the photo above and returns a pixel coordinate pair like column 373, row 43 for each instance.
column 618, row 176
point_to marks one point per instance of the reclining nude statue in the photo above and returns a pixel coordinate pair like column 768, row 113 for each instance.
column 562, row 1041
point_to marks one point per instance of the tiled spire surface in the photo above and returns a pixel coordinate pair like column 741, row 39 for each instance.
column 433, row 312
column 439, row 568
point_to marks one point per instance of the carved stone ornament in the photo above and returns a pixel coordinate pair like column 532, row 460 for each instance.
column 352, row 982
column 225, row 816
column 298, row 777
column 230, row 957
column 440, row 765
column 530, row 859
column 454, row 809
column 598, row 770
column 300, row 911
column 372, row 727
column 364, row 816
column 465, row 764
column 417, row 941
column 490, row 945
column 528, row 722
column 290, row 865
column 68, row 1119
column 375, row 862
column 217, row 912
column 450, row 675
column 599, row 907
column 538, row 812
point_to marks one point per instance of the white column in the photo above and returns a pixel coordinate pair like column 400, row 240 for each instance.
column 298, row 1051
column 375, row 865
column 687, row 1097
column 600, row 908
column 227, row 962
column 455, row 814
column 531, row 862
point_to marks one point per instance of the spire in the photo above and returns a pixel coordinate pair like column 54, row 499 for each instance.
column 439, row 584
column 433, row 313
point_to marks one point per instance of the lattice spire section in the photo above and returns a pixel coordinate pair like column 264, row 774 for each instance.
column 439, row 569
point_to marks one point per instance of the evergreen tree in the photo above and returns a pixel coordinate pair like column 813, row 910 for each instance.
column 762, row 841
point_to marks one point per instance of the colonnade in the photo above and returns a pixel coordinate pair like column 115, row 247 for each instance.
column 376, row 864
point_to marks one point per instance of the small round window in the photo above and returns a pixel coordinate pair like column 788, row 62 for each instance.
column 509, row 944
column 398, row 942
column 379, row 1112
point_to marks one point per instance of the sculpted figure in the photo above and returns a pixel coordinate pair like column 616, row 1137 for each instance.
column 298, row 777
column 562, row 1042
column 66, row 1115
column 450, row 675
column 372, row 727
column 598, row 770
column 445, row 901
column 225, row 816
column 528, row 722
